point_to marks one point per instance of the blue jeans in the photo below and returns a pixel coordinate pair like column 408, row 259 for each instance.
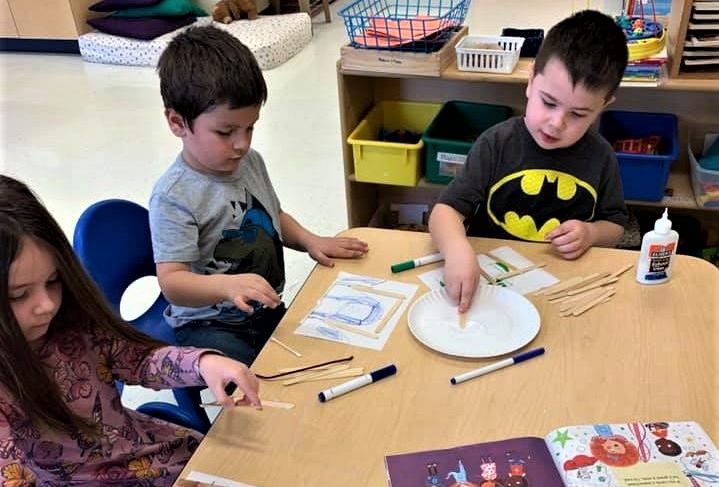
column 240, row 341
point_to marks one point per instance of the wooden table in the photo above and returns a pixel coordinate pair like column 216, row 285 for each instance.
column 650, row 354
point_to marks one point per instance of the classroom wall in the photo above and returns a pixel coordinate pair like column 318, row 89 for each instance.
column 490, row 16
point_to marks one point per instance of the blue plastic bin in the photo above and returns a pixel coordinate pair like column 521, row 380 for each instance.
column 643, row 176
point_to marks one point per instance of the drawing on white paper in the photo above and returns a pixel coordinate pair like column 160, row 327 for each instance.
column 358, row 310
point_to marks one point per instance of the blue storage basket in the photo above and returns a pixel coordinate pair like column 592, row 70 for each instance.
column 416, row 25
column 643, row 176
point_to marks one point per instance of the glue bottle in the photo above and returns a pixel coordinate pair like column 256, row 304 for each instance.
column 659, row 247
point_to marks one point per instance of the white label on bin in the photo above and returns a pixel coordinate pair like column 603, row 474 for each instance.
column 450, row 158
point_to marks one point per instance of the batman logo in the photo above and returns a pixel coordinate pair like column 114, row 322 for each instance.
column 529, row 204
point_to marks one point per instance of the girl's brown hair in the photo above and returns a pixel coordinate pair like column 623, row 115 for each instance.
column 22, row 216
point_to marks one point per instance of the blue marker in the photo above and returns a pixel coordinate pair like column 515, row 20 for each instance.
column 353, row 384
column 458, row 379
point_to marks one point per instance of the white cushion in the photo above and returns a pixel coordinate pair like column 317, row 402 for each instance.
column 273, row 39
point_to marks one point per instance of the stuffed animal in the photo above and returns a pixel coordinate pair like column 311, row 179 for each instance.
column 226, row 11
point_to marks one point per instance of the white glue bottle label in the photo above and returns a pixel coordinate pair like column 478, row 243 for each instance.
column 659, row 247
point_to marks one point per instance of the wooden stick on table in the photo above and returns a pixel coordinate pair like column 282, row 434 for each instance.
column 517, row 272
column 560, row 286
column 603, row 282
column 622, row 270
column 489, row 277
column 578, row 311
column 286, row 347
column 308, row 375
column 572, row 302
column 388, row 316
column 303, row 368
column 265, row 402
column 351, row 328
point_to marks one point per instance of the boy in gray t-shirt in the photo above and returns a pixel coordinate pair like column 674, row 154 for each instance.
column 218, row 228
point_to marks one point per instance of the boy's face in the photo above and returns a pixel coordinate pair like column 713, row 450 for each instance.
column 219, row 138
column 558, row 113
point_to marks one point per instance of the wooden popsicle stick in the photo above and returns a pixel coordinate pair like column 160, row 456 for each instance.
column 265, row 402
column 305, row 367
column 489, row 277
column 308, row 373
column 351, row 328
column 354, row 372
column 622, row 270
column 563, row 301
column 568, row 313
column 580, row 299
column 462, row 321
column 593, row 303
column 603, row 282
column 289, row 370
column 517, row 272
column 388, row 316
column 374, row 290
column 286, row 347
column 306, row 376
column 582, row 282
column 560, row 286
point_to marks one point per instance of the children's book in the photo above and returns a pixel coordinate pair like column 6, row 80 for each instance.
column 671, row 454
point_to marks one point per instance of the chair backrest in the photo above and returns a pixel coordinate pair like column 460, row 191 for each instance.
column 112, row 240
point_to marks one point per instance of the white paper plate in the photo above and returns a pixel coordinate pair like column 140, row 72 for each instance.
column 499, row 321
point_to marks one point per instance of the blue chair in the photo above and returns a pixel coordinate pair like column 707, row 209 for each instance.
column 112, row 240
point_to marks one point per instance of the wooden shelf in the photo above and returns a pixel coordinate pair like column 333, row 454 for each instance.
column 682, row 194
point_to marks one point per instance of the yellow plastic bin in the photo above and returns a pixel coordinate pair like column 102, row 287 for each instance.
column 393, row 163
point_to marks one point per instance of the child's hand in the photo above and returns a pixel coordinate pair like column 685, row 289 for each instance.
column 218, row 371
column 323, row 249
column 572, row 238
column 242, row 289
column 461, row 275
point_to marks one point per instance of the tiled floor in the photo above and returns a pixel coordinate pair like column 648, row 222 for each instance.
column 79, row 132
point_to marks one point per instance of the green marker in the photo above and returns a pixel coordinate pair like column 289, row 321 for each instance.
column 419, row 261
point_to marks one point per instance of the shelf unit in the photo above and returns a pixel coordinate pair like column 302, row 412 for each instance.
column 679, row 20
column 694, row 101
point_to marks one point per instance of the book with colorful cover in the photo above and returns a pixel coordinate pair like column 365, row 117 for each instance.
column 671, row 454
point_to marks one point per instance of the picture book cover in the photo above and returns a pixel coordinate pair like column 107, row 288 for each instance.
column 671, row 454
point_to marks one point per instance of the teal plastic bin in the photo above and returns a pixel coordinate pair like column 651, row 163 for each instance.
column 451, row 134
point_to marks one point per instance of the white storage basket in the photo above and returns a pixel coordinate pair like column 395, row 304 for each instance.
column 473, row 54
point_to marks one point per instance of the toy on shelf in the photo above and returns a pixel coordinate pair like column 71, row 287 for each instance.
column 647, row 145
column 644, row 37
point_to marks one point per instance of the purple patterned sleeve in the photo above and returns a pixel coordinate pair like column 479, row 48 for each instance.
column 160, row 368
column 13, row 469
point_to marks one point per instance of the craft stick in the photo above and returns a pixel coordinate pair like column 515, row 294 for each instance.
column 593, row 303
column 388, row 316
column 600, row 283
column 560, row 286
column 353, row 372
column 330, row 369
column 308, row 367
column 374, row 290
column 308, row 375
column 579, row 299
column 462, row 321
column 572, row 299
column 286, row 347
column 584, row 281
column 568, row 312
column 622, row 270
column 351, row 328
column 487, row 276
column 265, row 402
column 290, row 370
column 517, row 272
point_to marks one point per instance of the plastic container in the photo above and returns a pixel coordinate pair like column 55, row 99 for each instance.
column 659, row 247
column 452, row 133
column 412, row 25
column 705, row 182
column 532, row 39
column 643, row 176
column 377, row 161
column 472, row 55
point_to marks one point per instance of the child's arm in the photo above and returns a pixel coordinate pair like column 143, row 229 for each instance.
column 573, row 237
column 321, row 249
column 183, row 287
column 168, row 367
column 461, row 270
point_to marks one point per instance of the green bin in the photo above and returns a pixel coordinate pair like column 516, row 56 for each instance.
column 452, row 133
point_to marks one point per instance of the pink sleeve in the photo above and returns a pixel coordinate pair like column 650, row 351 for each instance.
column 161, row 368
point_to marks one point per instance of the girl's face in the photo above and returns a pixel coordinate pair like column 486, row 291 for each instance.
column 35, row 290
